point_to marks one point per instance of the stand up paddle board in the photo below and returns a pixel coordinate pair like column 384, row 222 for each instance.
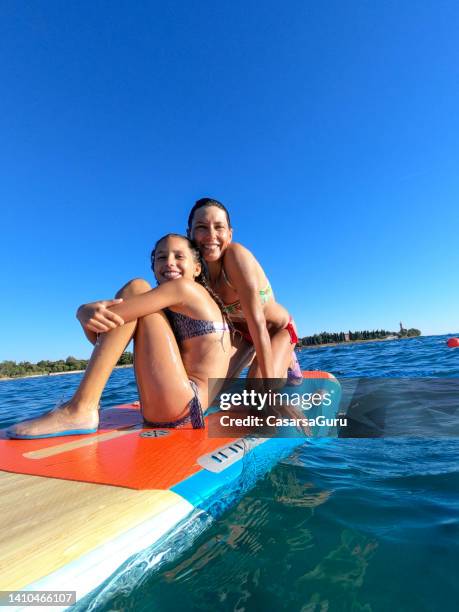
column 74, row 509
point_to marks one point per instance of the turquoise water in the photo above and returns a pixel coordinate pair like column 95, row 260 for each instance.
column 355, row 524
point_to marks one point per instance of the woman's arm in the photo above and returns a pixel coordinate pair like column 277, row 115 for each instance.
column 240, row 266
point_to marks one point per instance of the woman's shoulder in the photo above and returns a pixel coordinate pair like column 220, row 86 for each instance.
column 236, row 252
column 240, row 264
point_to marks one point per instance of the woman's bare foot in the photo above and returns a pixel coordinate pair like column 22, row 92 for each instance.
column 294, row 373
column 65, row 420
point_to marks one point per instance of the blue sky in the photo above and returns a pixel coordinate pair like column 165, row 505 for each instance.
column 329, row 129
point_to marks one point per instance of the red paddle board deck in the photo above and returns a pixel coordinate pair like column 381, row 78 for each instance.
column 122, row 453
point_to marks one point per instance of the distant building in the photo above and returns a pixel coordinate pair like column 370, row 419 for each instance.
column 346, row 337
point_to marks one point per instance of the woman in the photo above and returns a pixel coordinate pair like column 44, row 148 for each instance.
column 181, row 340
column 237, row 277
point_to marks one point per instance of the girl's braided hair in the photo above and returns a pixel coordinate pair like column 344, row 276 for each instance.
column 202, row 279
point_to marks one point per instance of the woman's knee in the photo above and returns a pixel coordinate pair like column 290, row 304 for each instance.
column 134, row 287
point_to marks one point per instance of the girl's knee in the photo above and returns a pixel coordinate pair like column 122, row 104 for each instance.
column 156, row 318
column 134, row 287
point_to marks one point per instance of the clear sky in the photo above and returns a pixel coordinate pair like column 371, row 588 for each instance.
column 329, row 129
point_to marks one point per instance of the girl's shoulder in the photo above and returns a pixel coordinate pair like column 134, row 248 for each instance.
column 184, row 288
column 190, row 298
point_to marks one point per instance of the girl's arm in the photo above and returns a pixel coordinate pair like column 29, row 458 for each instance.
column 168, row 294
column 96, row 318
column 241, row 268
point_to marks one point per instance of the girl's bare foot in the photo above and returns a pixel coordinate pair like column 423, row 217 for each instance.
column 65, row 420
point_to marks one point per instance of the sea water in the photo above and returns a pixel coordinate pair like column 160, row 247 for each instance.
column 357, row 524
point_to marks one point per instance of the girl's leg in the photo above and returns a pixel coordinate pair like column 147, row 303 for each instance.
column 162, row 381
column 81, row 412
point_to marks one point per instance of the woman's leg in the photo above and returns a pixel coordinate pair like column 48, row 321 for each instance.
column 282, row 349
column 242, row 354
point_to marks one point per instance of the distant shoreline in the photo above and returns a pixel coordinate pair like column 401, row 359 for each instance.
column 346, row 343
column 298, row 348
column 55, row 373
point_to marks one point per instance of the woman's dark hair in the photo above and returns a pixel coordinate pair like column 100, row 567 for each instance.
column 201, row 278
column 204, row 203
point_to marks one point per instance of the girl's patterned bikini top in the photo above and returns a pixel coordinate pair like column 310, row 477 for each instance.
column 185, row 327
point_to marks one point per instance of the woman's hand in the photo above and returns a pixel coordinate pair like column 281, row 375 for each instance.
column 97, row 317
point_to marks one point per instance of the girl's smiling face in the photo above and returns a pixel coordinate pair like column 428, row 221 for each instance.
column 174, row 259
column 210, row 231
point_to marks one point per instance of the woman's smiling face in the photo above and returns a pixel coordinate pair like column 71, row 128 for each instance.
column 211, row 232
column 174, row 259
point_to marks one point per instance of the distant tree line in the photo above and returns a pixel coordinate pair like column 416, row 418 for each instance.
column 409, row 333
column 376, row 334
column 11, row 369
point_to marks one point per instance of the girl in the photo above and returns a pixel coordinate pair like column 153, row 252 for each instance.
column 237, row 277
column 180, row 342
